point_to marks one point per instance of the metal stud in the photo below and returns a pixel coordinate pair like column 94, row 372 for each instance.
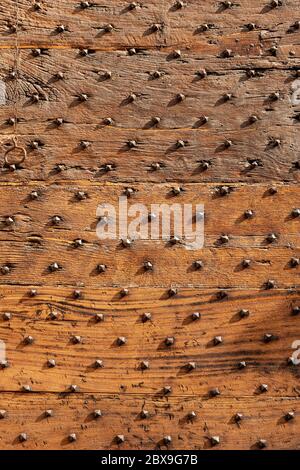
column 169, row 341
column 108, row 28
column 242, row 365
column 4, row 364
column 296, row 213
column 76, row 339
column 294, row 262
column 74, row 388
column 126, row 242
column 172, row 291
column 177, row 54
column 292, row 361
column 97, row 414
column 268, row 337
column 272, row 237
column 180, row 144
column 218, row 340
column 190, row 366
column 77, row 294
column 84, row 5
column 35, row 97
column 48, row 413
column 176, row 190
column 214, row 392
column 273, row 190
column 107, row 75
column 36, row 52
column 121, row 340
column 156, row 74
column 145, row 365
column 84, row 144
column 81, row 195
column 146, row 317
column 23, row 437
column 132, row 6
column 51, row 363
column 275, row 96
column 59, row 75
column 167, row 440
column 124, row 292
column 251, row 73
column 129, row 192
column 246, row 263
column 215, row 440
column 262, row 444
column 275, row 3
column 238, row 417
column 192, row 415
column 84, row 52
column 28, row 340
column 60, row 28
column 78, row 243
column 167, row 390
column 144, row 414
column 289, row 416
column 101, row 268
column 59, row 121
column 222, row 294
column 53, row 267
column 270, row 284
column 7, row 316
column 98, row 364
column 120, row 438
column 34, row 195
column 132, row 144
column 180, row 97
column 9, row 221
column 148, row 266
column 32, row 292
column 3, row 414
column 251, row 26
column 253, row 118
column 227, row 53
column 72, row 437
column 108, row 121
column 202, row 73
column 11, row 121
column 132, row 51
column 198, row 264
column 227, row 4
column 196, row 316
column 263, row 388
column 156, row 120
column 224, row 239
column 26, row 388
column 37, row 6
column 296, row 310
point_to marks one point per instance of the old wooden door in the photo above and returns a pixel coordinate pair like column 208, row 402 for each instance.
column 146, row 344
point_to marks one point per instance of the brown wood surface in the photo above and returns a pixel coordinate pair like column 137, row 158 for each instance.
column 216, row 366
column 60, row 167
column 121, row 415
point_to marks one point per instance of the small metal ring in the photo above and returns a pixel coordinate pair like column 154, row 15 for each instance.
column 14, row 147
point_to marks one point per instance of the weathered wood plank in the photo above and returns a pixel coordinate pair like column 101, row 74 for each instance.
column 154, row 97
column 30, row 262
column 272, row 213
column 121, row 415
column 133, row 28
column 216, row 366
column 184, row 164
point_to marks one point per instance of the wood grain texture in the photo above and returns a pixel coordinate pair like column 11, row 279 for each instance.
column 177, row 27
column 261, row 130
column 216, row 366
column 121, row 415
